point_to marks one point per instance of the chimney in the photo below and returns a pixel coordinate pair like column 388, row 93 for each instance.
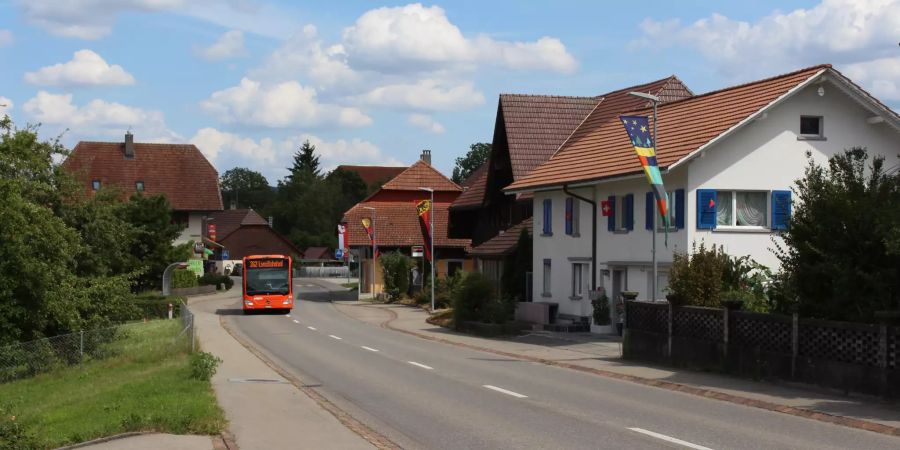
column 426, row 156
column 129, row 145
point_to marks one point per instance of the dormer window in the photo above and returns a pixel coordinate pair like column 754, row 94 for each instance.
column 139, row 186
column 96, row 185
column 811, row 127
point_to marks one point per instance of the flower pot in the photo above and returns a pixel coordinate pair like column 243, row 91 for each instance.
column 629, row 295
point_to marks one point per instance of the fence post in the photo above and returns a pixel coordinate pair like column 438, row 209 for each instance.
column 883, row 357
column 193, row 331
column 81, row 346
column 795, row 343
column 725, row 317
column 669, row 346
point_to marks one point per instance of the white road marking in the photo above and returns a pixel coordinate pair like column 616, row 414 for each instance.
column 514, row 394
column 287, row 315
column 420, row 365
column 312, row 328
column 370, row 348
column 669, row 439
column 334, row 337
column 296, row 321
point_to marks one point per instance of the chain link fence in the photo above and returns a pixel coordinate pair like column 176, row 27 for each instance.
column 27, row 359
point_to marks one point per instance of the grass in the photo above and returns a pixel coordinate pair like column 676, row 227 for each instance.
column 350, row 285
column 146, row 386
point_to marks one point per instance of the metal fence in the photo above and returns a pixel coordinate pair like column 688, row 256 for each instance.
column 27, row 359
column 325, row 272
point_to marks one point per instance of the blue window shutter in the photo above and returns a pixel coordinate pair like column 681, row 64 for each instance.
column 781, row 209
column 679, row 209
column 629, row 212
column 648, row 211
column 706, row 209
column 611, row 218
column 548, row 215
column 569, row 215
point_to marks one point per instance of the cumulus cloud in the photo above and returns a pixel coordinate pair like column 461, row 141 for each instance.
column 87, row 19
column 881, row 76
column 229, row 45
column 426, row 123
column 835, row 31
column 6, row 38
column 419, row 37
column 272, row 157
column 425, row 95
column 98, row 117
column 85, row 69
column 280, row 105
column 305, row 53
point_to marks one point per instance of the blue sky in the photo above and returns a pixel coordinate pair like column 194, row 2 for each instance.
column 249, row 80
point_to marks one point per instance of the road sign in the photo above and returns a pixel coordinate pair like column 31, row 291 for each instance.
column 339, row 254
column 225, row 255
column 418, row 251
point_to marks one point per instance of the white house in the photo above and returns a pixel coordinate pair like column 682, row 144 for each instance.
column 729, row 159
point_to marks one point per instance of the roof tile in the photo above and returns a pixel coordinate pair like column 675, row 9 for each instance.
column 397, row 225
column 421, row 174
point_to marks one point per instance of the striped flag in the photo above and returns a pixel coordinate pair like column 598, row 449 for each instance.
column 370, row 231
column 423, row 208
column 638, row 128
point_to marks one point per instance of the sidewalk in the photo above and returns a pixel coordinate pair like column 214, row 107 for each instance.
column 262, row 415
column 599, row 355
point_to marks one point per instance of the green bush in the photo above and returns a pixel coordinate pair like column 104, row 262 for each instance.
column 475, row 299
column 215, row 279
column 204, row 365
column 443, row 291
column 13, row 433
column 396, row 267
column 182, row 278
column 601, row 310
column 157, row 306
column 696, row 278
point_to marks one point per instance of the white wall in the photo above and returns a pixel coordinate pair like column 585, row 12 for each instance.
column 766, row 155
column 193, row 231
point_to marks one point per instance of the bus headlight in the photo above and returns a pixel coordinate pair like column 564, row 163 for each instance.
column 248, row 303
column 286, row 302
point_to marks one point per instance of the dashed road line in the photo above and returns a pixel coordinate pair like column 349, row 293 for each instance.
column 421, row 365
column 312, row 328
column 370, row 348
column 498, row 389
column 335, row 337
column 296, row 321
column 669, row 439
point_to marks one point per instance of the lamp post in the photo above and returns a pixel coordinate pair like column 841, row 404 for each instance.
column 431, row 235
column 655, row 101
column 374, row 214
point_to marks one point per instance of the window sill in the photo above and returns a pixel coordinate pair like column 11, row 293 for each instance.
column 575, row 235
column 546, row 294
column 812, row 138
column 547, row 234
column 575, row 297
column 621, row 231
column 742, row 230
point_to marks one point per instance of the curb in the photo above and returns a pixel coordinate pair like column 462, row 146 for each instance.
column 114, row 437
column 364, row 431
column 668, row 385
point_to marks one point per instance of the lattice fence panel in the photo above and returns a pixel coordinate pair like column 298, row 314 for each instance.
column 764, row 331
column 856, row 344
column 643, row 316
column 893, row 348
column 698, row 323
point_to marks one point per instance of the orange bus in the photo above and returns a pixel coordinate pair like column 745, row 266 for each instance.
column 267, row 283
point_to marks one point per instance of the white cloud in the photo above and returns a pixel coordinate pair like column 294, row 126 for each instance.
column 6, row 38
column 423, row 38
column 229, row 45
column 6, row 105
column 305, row 53
column 279, row 105
column 272, row 158
column 425, row 95
column 85, row 69
column 881, row 76
column 98, row 117
column 835, row 31
column 87, row 19
column 426, row 123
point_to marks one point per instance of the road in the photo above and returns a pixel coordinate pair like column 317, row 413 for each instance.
column 430, row 395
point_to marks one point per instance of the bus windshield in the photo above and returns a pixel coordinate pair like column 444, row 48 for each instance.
column 268, row 280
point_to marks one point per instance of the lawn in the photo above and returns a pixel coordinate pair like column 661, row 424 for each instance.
column 146, row 386
column 350, row 285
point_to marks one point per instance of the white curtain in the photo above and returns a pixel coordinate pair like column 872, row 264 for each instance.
column 723, row 208
column 751, row 209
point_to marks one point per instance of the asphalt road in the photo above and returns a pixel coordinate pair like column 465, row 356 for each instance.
column 424, row 394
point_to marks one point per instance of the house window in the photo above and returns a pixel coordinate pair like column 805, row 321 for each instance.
column 578, row 271
column 96, row 185
column 742, row 209
column 811, row 127
column 139, row 186
column 546, row 292
column 453, row 267
column 622, row 214
column 548, row 217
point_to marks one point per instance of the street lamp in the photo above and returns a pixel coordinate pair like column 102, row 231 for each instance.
column 431, row 235
column 374, row 214
column 655, row 101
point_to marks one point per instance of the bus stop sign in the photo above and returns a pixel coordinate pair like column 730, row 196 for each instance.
column 339, row 254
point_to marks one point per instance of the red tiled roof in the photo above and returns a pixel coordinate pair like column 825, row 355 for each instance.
column 318, row 253
column 397, row 225
column 374, row 175
column 421, row 174
column 505, row 242
column 178, row 171
column 684, row 126
column 473, row 189
column 229, row 220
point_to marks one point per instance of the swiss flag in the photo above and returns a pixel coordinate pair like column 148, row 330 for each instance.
column 605, row 208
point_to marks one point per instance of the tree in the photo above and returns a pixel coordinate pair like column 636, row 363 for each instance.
column 348, row 189
column 837, row 255
column 245, row 188
column 478, row 154
column 154, row 231
column 306, row 163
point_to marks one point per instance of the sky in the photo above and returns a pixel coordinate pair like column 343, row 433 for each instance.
column 248, row 81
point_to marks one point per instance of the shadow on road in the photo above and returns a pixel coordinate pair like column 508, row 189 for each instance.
column 240, row 312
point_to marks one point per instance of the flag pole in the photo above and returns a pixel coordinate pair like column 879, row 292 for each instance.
column 653, row 228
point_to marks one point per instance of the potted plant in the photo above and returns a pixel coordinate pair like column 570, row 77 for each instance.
column 602, row 320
